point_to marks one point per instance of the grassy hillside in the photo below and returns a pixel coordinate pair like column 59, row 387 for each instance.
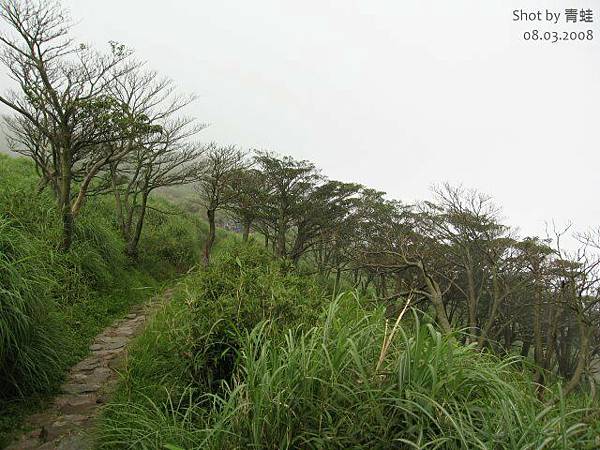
column 51, row 303
column 248, row 355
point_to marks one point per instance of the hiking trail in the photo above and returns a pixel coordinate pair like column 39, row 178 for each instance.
column 66, row 423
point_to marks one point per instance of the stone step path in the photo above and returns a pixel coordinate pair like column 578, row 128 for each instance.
column 67, row 422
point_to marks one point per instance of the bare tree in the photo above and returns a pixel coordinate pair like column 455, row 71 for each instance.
column 466, row 223
column 577, row 291
column 216, row 174
column 162, row 156
column 65, row 119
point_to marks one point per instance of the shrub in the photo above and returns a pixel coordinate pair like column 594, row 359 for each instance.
column 172, row 239
column 243, row 286
column 325, row 387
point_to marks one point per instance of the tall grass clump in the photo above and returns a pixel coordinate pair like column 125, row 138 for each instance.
column 242, row 287
column 28, row 356
column 338, row 384
column 29, row 335
column 322, row 389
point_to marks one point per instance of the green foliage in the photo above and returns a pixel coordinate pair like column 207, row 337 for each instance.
column 172, row 238
column 158, row 362
column 242, row 357
column 243, row 286
column 27, row 357
column 319, row 388
column 51, row 303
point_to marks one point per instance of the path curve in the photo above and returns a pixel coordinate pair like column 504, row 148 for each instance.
column 66, row 423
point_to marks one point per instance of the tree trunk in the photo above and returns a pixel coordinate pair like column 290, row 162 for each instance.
column 210, row 239
column 119, row 208
column 584, row 340
column 280, row 248
column 320, row 259
column 338, row 276
column 64, row 202
column 246, row 231
column 132, row 245
column 472, row 301
column 440, row 311
column 507, row 333
column 565, row 346
column 299, row 247
column 42, row 183
column 538, row 351
column 492, row 313
column 435, row 295
column 68, row 227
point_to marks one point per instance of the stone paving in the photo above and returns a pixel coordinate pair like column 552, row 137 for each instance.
column 67, row 422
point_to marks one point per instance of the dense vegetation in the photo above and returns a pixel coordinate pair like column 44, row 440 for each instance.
column 341, row 375
column 343, row 318
column 53, row 303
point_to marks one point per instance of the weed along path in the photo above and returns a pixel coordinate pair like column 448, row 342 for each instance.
column 67, row 423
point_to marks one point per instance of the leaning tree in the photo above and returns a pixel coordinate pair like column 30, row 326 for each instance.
column 287, row 184
column 65, row 118
column 247, row 197
column 161, row 155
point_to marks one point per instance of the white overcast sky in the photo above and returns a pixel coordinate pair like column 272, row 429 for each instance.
column 395, row 94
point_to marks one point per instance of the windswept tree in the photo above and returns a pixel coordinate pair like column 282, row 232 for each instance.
column 401, row 249
column 216, row 174
column 466, row 223
column 572, row 311
column 321, row 215
column 450, row 252
column 288, row 184
column 65, row 119
column 163, row 156
column 341, row 248
column 247, row 197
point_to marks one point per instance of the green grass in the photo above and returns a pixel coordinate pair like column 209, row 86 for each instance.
column 319, row 389
column 195, row 336
column 248, row 354
column 52, row 304
column 322, row 380
column 243, row 286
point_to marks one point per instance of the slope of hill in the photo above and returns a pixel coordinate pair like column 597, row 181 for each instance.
column 51, row 303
